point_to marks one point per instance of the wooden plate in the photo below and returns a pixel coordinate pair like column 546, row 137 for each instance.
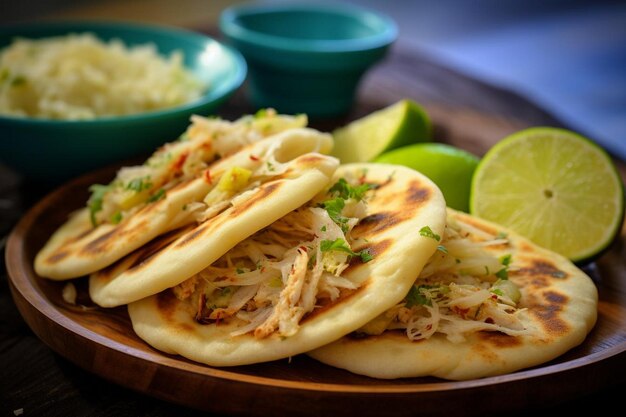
column 103, row 342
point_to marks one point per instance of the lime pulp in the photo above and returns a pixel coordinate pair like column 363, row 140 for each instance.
column 555, row 187
column 400, row 124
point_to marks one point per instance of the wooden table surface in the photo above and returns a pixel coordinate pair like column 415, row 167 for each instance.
column 36, row 381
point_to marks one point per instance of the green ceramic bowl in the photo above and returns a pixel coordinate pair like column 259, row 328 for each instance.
column 307, row 58
column 51, row 151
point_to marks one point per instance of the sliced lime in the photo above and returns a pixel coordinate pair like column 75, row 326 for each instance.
column 449, row 167
column 553, row 186
column 364, row 139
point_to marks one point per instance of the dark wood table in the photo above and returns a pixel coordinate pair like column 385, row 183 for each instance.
column 474, row 115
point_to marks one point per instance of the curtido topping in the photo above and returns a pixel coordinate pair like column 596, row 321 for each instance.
column 463, row 288
column 270, row 281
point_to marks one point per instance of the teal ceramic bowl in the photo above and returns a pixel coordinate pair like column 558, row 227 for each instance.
column 51, row 150
column 306, row 58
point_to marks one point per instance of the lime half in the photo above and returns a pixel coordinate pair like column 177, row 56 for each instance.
column 364, row 139
column 449, row 167
column 553, row 186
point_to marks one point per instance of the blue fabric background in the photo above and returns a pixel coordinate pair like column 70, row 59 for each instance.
column 569, row 57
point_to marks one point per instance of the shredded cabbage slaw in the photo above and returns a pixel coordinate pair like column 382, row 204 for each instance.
column 205, row 140
column 462, row 289
column 270, row 281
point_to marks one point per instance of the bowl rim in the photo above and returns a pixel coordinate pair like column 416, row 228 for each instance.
column 231, row 26
column 66, row 26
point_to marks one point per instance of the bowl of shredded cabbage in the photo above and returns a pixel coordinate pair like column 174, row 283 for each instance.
column 75, row 96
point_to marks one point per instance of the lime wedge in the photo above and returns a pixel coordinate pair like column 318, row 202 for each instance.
column 364, row 139
column 449, row 167
column 553, row 186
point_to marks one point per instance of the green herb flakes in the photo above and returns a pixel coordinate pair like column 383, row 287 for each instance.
column 418, row 296
column 426, row 231
column 116, row 217
column 18, row 80
column 157, row 196
column 311, row 262
column 347, row 191
column 503, row 273
column 365, row 255
column 340, row 245
column 95, row 201
column 139, row 184
column 334, row 208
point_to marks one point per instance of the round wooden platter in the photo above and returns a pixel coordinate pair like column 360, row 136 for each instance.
column 103, row 342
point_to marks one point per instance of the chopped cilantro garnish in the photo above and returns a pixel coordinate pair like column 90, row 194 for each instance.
column 18, row 80
column 323, row 228
column 503, row 274
column 157, row 196
column 426, row 231
column 442, row 248
column 116, row 217
column 501, row 235
column 340, row 245
column 239, row 270
column 365, row 255
column 95, row 201
column 342, row 192
column 497, row 291
column 334, row 208
column 417, row 296
column 347, row 191
column 270, row 166
column 139, row 184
